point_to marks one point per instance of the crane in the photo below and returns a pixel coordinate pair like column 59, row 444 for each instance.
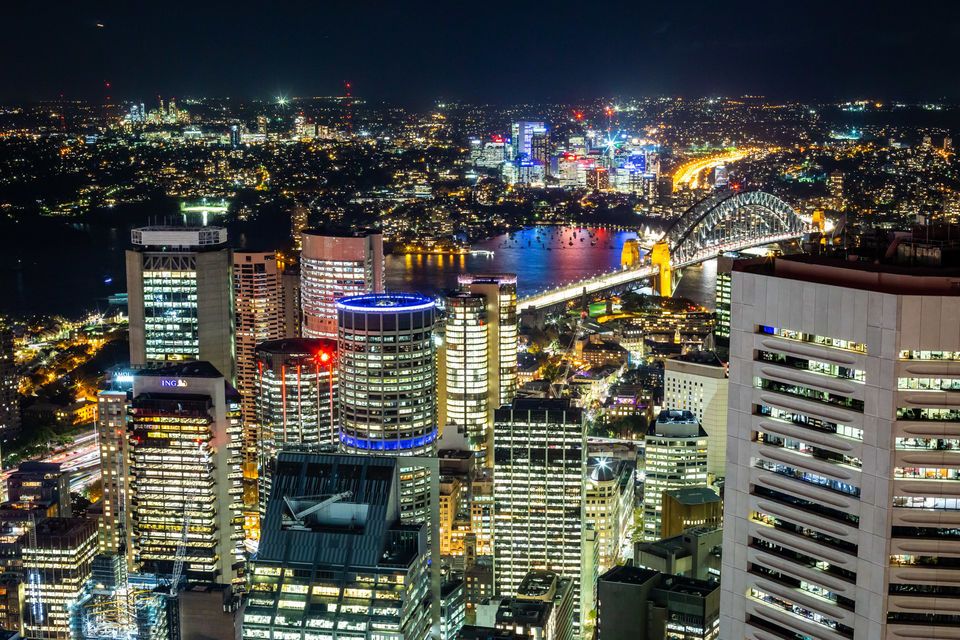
column 296, row 521
column 181, row 552
column 182, row 544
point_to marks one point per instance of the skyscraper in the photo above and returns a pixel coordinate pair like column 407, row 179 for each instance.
column 466, row 370
column 675, row 456
column 841, row 500
column 258, row 304
column 386, row 372
column 332, row 267
column 181, row 296
column 387, row 396
column 540, row 462
column 697, row 382
column 335, row 558
column 112, row 408
column 57, row 562
column 480, row 355
column 9, row 388
column 724, row 270
column 521, row 138
column 185, row 472
column 295, row 402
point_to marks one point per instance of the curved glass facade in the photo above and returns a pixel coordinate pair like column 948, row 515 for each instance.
column 467, row 375
column 386, row 374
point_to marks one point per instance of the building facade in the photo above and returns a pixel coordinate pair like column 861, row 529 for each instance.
column 185, row 472
column 722, row 299
column 387, row 397
column 697, row 382
column 259, row 305
column 540, row 462
column 608, row 505
column 643, row 604
column 349, row 568
column 466, row 390
column 675, row 456
column 57, row 562
column 690, row 507
column 295, row 402
column 840, row 515
column 332, row 267
column 114, row 471
column 480, row 361
column 180, row 296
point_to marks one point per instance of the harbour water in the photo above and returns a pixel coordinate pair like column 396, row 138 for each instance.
column 542, row 258
column 85, row 265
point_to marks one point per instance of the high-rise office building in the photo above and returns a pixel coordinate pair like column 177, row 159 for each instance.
column 332, row 267
column 258, row 304
column 480, row 356
column 387, row 377
column 295, row 394
column 697, row 382
column 185, row 472
column 292, row 311
column 724, row 269
column 9, row 388
column 465, row 369
column 521, row 138
column 841, row 507
column 57, row 562
column 608, row 506
column 694, row 553
column 540, row 462
column 179, row 283
column 675, row 456
column 112, row 408
column 386, row 371
column 334, row 558
column 540, row 149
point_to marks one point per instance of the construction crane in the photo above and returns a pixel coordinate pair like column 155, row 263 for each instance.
column 182, row 544
column 296, row 520
column 181, row 553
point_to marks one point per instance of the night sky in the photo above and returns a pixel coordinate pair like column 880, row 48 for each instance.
column 415, row 52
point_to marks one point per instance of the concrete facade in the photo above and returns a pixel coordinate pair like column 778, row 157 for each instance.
column 840, row 518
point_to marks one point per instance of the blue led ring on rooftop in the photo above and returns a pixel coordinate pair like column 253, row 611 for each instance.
column 386, row 303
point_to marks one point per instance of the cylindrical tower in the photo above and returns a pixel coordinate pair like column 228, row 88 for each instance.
column 386, row 371
column 467, row 367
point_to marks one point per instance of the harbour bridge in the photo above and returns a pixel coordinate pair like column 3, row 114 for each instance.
column 724, row 221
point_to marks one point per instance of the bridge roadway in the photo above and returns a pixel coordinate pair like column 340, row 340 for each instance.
column 567, row 292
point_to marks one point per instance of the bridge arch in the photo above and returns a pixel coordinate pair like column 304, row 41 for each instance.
column 724, row 221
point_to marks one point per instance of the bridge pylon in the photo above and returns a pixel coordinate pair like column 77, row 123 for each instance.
column 660, row 257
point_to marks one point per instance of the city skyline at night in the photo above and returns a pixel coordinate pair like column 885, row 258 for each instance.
column 499, row 321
